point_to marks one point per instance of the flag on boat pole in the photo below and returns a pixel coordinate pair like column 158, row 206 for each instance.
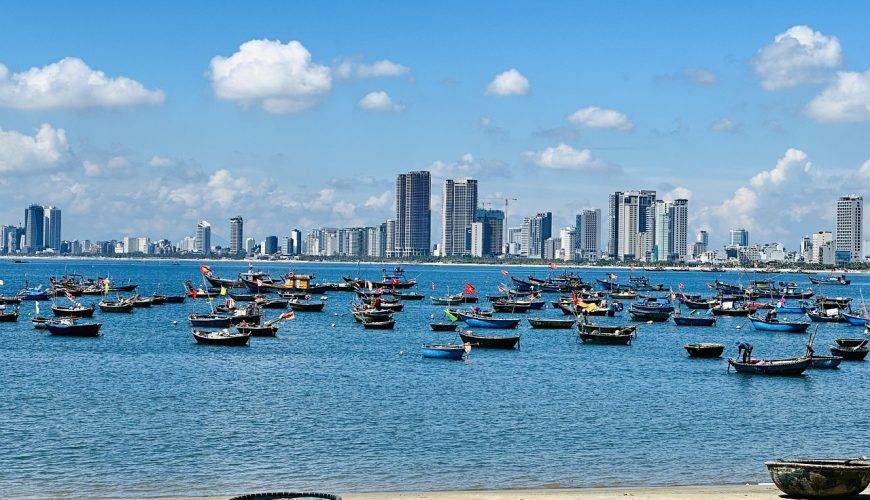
column 469, row 289
column 205, row 270
column 288, row 315
column 450, row 315
column 223, row 290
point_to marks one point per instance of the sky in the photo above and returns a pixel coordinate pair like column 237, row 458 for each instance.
column 142, row 119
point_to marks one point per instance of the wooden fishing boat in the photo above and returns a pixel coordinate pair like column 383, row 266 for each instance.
column 218, row 282
column 857, row 353
column 511, row 306
column 387, row 324
column 293, row 295
column 489, row 341
column 40, row 322
column 727, row 308
column 449, row 300
column 462, row 314
column 851, row 342
column 210, row 320
column 477, row 321
column 116, row 306
column 173, row 299
column 141, row 302
column 393, row 306
column 267, row 303
column 750, row 365
column 222, row 337
column 602, row 334
column 244, row 297
column 265, row 330
column 773, row 324
column 833, row 302
column 306, row 305
column 624, row 294
column 11, row 300
column 157, row 299
column 199, row 293
column 74, row 311
column 551, row 324
column 825, row 362
column 827, row 316
column 855, row 319
column 31, row 294
column 371, row 314
column 643, row 314
column 791, row 309
column 443, row 327
column 410, row 296
column 9, row 316
column 692, row 320
column 69, row 328
column 704, row 350
column 445, row 351
column 93, row 290
column 127, row 287
column 840, row 280
column 820, row 478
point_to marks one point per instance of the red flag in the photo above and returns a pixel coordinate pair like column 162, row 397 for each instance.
column 552, row 265
column 204, row 270
column 193, row 293
column 394, row 281
column 505, row 272
column 574, row 298
column 288, row 315
column 469, row 289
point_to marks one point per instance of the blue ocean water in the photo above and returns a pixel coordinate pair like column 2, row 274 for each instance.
column 144, row 410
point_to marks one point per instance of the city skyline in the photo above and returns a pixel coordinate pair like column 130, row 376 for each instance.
column 762, row 129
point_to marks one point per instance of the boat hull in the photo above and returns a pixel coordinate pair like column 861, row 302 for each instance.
column 444, row 352
column 694, row 321
column 704, row 350
column 791, row 367
column 74, row 330
column 778, row 326
column 801, row 478
column 496, row 323
column 487, row 342
column 551, row 324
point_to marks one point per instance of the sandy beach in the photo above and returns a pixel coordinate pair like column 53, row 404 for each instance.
column 750, row 491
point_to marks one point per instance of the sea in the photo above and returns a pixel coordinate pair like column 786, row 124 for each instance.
column 144, row 410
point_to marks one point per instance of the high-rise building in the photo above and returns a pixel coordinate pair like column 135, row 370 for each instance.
column 515, row 240
column 630, row 231
column 662, row 232
column 823, row 248
column 850, row 213
column 739, row 238
column 702, row 241
column 587, row 234
column 11, row 239
column 535, row 231
column 413, row 234
column 376, row 240
column 567, row 239
column 478, row 247
column 459, row 202
column 271, row 245
column 493, row 230
column 237, row 235
column 807, row 248
column 679, row 218
column 34, row 232
column 202, row 243
column 296, row 238
column 51, row 228
column 249, row 246
column 550, row 247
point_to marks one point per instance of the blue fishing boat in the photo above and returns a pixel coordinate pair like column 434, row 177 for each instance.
column 489, row 322
column 445, row 351
column 772, row 324
column 36, row 293
column 855, row 319
column 800, row 308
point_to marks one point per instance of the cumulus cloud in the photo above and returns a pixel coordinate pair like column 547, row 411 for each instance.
column 678, row 193
column 565, row 157
column 510, row 82
column 723, row 125
column 380, row 101
column 43, row 151
column 595, row 117
column 70, row 83
column 280, row 78
column 161, row 161
column 846, row 99
column 114, row 166
column 379, row 201
column 797, row 56
column 794, row 159
column 382, row 68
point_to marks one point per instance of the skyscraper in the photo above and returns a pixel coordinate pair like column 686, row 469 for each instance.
column 457, row 214
column 493, row 231
column 587, row 234
column 535, row 231
column 34, row 222
column 202, row 243
column 413, row 234
column 51, row 229
column 271, row 245
column 662, row 240
column 237, row 236
column 630, row 231
column 739, row 238
column 296, row 239
column 679, row 215
column 850, row 213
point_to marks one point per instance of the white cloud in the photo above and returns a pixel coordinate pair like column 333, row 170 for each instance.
column 792, row 160
column 114, row 166
column 379, row 201
column 382, row 68
column 21, row 153
column 468, row 166
column 161, row 161
column 678, row 193
column 864, row 171
column 797, row 56
column 380, row 101
column 595, row 117
column 724, row 125
column 281, row 78
column 70, row 83
column 564, row 157
column 510, row 82
column 344, row 208
column 846, row 99
column 700, row 76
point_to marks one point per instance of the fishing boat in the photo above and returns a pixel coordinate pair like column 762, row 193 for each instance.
column 851, row 342
column 652, row 304
column 140, row 302
column 222, row 337
column 199, row 293
column 116, row 306
column 217, row 281
column 476, row 321
column 443, row 327
column 368, row 314
column 244, row 297
column 771, row 323
column 729, row 308
column 624, row 294
column 410, row 295
column 292, row 295
column 209, row 320
column 825, row 316
column 725, row 288
column 68, row 327
column 393, row 306
column 830, row 280
column 267, row 303
column 127, row 287
column 825, row 362
column 157, row 299
column 750, row 365
column 264, row 330
column 833, row 302
column 446, row 351
column 489, row 341
column 601, row 334
column 11, row 300
column 551, row 324
column 856, row 353
column 692, row 320
column 173, row 299
column 783, row 308
column 825, row 478
column 302, row 305
column 74, row 311
column 704, row 350
column 462, row 314
column 40, row 322
column 9, row 316
column 36, row 293
column 93, row 290
column 511, row 306
column 449, row 300
column 642, row 284
column 386, row 324
column 855, row 319
column 640, row 314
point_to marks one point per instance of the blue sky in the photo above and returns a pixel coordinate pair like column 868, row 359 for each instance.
column 704, row 112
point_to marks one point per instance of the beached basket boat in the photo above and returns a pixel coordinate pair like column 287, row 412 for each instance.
column 825, row 478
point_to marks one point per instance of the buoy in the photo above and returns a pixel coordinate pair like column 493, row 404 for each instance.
column 333, row 325
column 739, row 327
column 175, row 322
column 649, row 322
